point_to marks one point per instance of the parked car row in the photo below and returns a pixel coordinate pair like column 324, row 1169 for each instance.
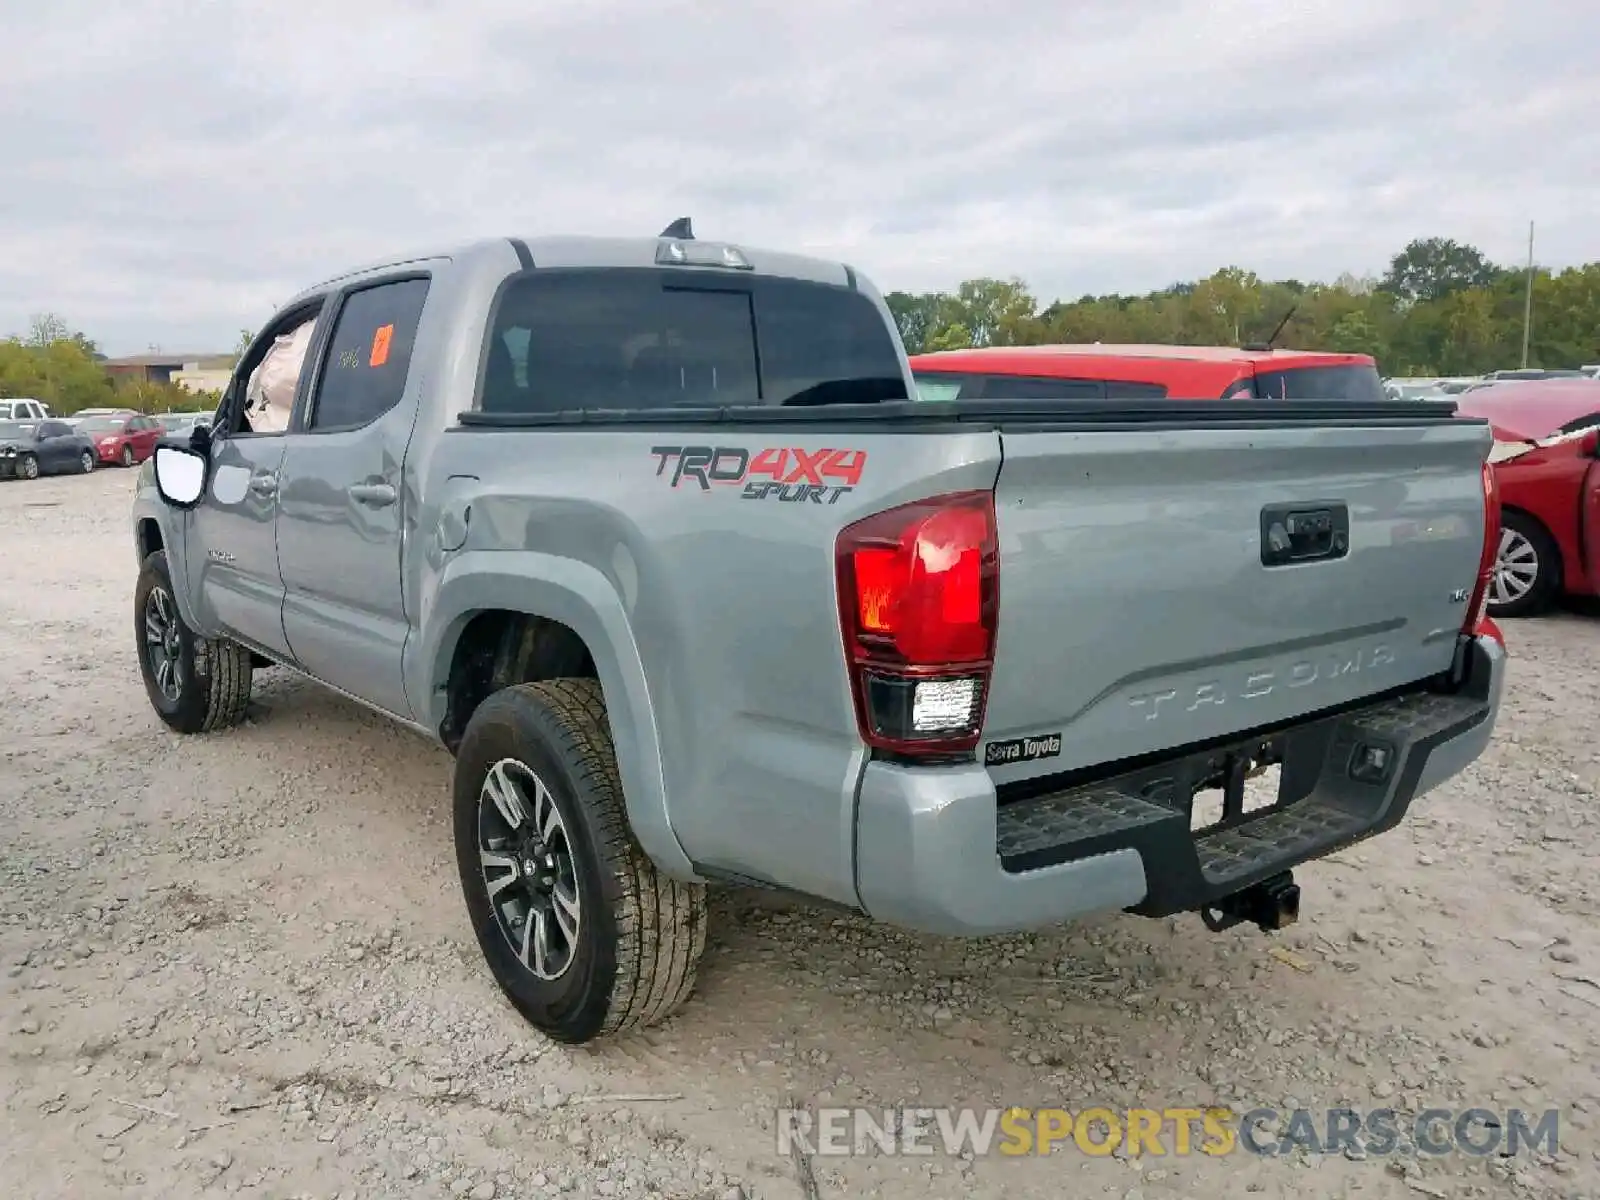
column 1547, row 429
column 1432, row 387
column 32, row 445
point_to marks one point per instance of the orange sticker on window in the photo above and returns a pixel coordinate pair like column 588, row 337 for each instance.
column 380, row 346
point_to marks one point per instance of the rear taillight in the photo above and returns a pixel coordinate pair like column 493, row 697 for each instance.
column 1478, row 606
column 919, row 594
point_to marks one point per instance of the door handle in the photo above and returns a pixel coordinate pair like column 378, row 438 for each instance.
column 264, row 485
column 375, row 495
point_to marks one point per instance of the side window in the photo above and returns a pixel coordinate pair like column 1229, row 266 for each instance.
column 1122, row 389
column 935, row 388
column 368, row 356
column 260, row 395
column 52, row 429
column 1009, row 387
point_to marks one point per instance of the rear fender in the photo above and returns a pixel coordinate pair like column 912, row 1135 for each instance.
column 580, row 597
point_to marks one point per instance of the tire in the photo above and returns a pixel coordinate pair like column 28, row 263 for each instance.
column 28, row 467
column 127, row 456
column 86, row 461
column 1527, row 574
column 207, row 685
column 636, row 938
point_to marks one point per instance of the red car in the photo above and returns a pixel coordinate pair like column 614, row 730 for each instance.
column 1144, row 372
column 1546, row 460
column 123, row 437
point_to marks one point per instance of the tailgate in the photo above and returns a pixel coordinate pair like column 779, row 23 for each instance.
column 1137, row 615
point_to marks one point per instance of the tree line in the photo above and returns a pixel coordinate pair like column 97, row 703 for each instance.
column 61, row 366
column 1442, row 308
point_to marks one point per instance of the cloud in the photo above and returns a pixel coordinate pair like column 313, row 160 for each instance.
column 173, row 170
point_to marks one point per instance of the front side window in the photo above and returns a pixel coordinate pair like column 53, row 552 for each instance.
column 369, row 355
column 650, row 339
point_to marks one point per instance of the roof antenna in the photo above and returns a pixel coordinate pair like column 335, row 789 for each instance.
column 1268, row 344
column 680, row 229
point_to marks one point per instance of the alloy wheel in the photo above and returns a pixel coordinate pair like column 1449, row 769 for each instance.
column 528, row 868
column 163, row 645
column 1516, row 568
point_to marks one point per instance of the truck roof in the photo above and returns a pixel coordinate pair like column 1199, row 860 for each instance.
column 1029, row 358
column 580, row 251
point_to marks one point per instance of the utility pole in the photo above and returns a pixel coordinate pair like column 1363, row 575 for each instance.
column 1527, row 299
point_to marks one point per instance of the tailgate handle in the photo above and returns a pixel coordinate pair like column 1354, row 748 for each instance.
column 1296, row 533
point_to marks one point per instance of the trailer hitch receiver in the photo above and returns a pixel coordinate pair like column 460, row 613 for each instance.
column 1271, row 905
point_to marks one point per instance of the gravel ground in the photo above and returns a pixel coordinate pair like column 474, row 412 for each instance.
column 239, row 964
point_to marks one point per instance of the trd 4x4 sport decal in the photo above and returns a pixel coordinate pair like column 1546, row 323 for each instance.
column 786, row 474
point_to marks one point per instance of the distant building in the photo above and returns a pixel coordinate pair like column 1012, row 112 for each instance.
column 193, row 372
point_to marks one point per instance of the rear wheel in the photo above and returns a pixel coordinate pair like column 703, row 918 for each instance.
column 1527, row 568
column 195, row 684
column 86, row 461
column 28, row 467
column 582, row 934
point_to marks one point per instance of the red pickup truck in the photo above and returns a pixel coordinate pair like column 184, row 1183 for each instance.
column 1128, row 372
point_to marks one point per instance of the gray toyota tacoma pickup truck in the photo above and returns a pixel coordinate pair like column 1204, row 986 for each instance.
column 648, row 533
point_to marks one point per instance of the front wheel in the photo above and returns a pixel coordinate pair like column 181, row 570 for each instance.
column 127, row 456
column 582, row 933
column 28, row 467
column 1527, row 568
column 86, row 461
column 195, row 684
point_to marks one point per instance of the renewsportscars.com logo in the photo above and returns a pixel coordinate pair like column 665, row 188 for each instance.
column 1178, row 1131
column 788, row 474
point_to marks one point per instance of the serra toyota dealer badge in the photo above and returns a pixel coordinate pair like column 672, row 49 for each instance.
column 1023, row 749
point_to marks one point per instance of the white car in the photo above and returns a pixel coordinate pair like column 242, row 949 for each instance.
column 28, row 412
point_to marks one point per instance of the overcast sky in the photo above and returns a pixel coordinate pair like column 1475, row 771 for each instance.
column 170, row 169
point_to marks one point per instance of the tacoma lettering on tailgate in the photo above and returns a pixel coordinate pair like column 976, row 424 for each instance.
column 787, row 474
column 1260, row 682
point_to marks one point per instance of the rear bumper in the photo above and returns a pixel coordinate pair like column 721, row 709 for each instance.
column 936, row 852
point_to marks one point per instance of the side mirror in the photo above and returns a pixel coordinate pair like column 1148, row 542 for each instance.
column 1589, row 444
column 180, row 475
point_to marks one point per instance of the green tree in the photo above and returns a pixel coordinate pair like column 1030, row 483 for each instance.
column 951, row 337
column 1433, row 268
column 994, row 312
column 55, row 364
column 1353, row 333
column 914, row 315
